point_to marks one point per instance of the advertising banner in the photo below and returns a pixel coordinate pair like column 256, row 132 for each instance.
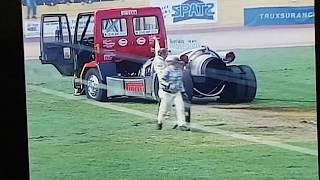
column 178, row 45
column 180, row 12
column 32, row 28
column 278, row 16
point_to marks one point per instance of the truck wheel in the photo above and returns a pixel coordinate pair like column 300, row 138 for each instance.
column 94, row 86
column 235, row 89
column 242, row 87
column 251, row 83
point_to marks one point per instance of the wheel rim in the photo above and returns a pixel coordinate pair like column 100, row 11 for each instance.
column 93, row 86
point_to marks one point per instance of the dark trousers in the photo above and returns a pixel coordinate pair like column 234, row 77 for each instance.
column 187, row 109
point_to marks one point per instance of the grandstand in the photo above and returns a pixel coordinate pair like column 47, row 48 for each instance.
column 55, row 2
column 73, row 7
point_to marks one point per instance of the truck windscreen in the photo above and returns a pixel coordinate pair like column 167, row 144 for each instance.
column 114, row 27
column 145, row 25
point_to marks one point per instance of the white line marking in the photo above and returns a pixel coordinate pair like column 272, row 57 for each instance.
column 193, row 125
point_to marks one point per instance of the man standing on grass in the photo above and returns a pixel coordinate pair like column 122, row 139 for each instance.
column 158, row 65
column 170, row 92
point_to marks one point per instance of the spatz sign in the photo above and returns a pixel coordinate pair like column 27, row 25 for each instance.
column 193, row 9
column 187, row 11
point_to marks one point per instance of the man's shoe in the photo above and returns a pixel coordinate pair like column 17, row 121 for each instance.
column 175, row 126
column 159, row 126
column 183, row 128
column 76, row 92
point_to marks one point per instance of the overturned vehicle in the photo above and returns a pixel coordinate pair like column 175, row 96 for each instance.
column 111, row 52
column 208, row 73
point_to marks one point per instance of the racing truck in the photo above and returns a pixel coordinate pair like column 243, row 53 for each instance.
column 109, row 53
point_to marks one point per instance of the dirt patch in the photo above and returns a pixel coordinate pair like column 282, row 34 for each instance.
column 284, row 124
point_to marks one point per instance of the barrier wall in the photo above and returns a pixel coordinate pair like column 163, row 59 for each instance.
column 228, row 13
column 231, row 12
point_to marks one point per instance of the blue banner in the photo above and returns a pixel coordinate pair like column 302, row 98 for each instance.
column 278, row 16
column 193, row 9
column 181, row 12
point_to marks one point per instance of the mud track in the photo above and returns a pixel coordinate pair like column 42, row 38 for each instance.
column 281, row 124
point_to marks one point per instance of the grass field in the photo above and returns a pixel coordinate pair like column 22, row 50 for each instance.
column 70, row 139
column 286, row 76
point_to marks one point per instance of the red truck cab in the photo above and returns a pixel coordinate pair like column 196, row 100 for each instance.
column 104, row 36
column 121, row 34
column 108, row 48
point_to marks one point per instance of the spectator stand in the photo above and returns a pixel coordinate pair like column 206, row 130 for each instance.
column 55, row 2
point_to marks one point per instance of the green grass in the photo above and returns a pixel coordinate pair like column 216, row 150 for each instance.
column 284, row 74
column 47, row 76
column 103, row 144
column 73, row 140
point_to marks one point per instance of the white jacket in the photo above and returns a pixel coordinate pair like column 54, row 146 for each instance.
column 158, row 66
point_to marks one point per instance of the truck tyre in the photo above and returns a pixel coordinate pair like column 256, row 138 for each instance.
column 251, row 83
column 242, row 87
column 94, row 86
column 235, row 88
